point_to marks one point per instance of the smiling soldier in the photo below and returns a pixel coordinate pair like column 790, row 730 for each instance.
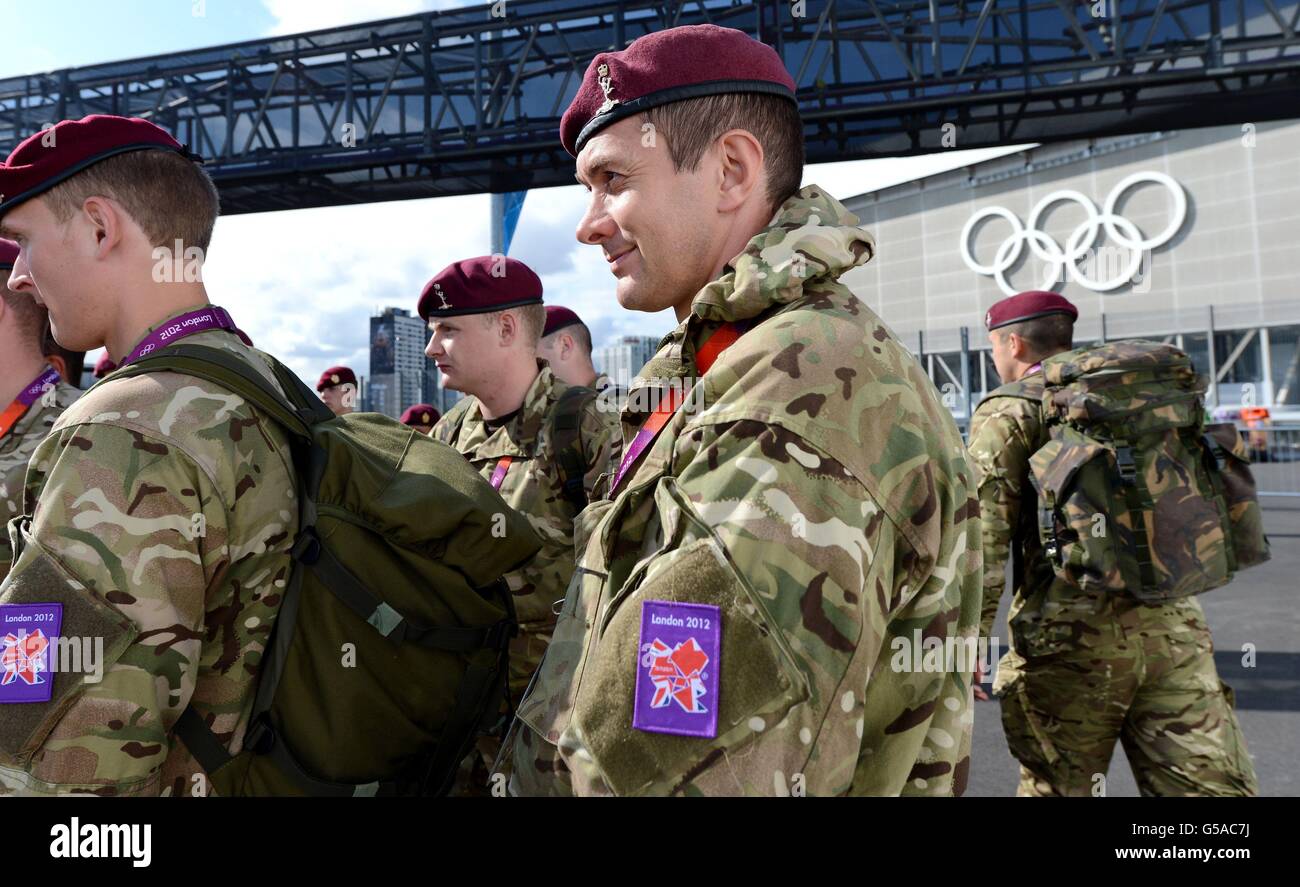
column 771, row 533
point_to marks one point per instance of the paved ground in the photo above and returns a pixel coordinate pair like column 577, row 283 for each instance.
column 1259, row 608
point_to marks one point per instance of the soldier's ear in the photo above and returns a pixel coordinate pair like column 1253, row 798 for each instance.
column 740, row 157
column 508, row 327
column 105, row 222
column 57, row 361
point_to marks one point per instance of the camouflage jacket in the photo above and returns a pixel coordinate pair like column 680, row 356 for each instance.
column 165, row 508
column 533, row 486
column 1046, row 615
column 16, row 449
column 815, row 490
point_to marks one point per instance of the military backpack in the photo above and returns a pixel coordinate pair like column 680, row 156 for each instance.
column 1135, row 493
column 389, row 653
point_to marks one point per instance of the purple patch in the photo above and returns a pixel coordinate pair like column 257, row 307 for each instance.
column 678, row 669
column 27, row 643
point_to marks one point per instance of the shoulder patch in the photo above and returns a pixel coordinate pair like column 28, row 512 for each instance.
column 678, row 672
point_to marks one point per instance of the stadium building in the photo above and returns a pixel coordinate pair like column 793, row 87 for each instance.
column 1186, row 237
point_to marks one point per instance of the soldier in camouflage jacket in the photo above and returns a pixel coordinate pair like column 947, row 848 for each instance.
column 1086, row 668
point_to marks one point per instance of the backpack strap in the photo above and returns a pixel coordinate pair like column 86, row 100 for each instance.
column 1025, row 389
column 1032, row 392
column 296, row 409
column 1138, row 499
column 1046, row 524
column 566, row 423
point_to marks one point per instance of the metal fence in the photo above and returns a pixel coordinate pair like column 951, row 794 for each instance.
column 1275, row 452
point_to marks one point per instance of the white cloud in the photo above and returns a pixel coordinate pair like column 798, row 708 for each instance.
column 302, row 283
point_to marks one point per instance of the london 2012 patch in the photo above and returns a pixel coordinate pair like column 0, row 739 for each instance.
column 27, row 643
column 678, row 669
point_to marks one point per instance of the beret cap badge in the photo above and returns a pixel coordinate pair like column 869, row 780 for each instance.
column 607, row 87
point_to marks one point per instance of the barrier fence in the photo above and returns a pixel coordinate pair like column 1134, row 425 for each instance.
column 1275, row 452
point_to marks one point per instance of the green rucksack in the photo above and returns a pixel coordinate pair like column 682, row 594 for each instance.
column 1135, row 493
column 389, row 652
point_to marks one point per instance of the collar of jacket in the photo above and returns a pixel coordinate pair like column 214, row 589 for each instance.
column 812, row 237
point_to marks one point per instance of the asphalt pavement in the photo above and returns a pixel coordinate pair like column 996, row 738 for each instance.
column 1258, row 607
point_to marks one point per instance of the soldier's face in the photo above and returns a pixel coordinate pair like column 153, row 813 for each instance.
column 655, row 225
column 52, row 269
column 342, row 399
column 466, row 350
column 1003, row 360
column 549, row 349
column 558, row 349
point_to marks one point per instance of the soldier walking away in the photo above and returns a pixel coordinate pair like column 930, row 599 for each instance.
column 1106, row 642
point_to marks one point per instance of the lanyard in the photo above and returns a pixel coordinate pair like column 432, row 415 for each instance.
column 23, row 402
column 499, row 473
column 200, row 321
column 721, row 339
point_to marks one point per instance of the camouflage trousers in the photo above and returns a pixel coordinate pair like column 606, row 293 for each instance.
column 1160, row 695
column 476, row 778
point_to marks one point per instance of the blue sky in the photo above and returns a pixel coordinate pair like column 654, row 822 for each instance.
column 303, row 282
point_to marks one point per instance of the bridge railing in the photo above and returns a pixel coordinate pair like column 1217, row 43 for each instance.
column 466, row 101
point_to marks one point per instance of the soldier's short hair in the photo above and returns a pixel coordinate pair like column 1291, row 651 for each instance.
column 31, row 318
column 170, row 198
column 581, row 336
column 692, row 125
column 1046, row 335
column 531, row 317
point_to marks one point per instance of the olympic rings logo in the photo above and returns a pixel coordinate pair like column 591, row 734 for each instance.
column 1059, row 261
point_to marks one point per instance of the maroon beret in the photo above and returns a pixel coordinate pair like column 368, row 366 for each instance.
column 104, row 366
column 336, row 376
column 557, row 318
column 1027, row 306
column 48, row 157
column 8, row 254
column 420, row 414
column 480, row 285
column 668, row 66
